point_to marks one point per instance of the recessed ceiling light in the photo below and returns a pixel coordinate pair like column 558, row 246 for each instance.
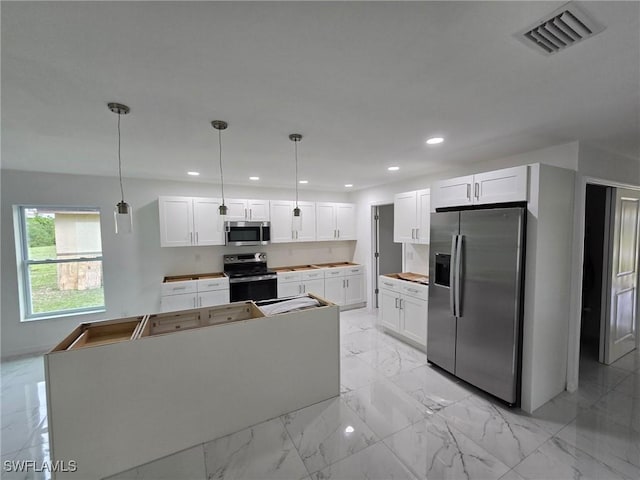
column 348, row 185
column 435, row 140
column 193, row 174
column 349, row 429
column 254, row 178
column 393, row 169
column 303, row 181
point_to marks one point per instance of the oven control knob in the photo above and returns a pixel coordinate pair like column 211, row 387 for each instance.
column 262, row 256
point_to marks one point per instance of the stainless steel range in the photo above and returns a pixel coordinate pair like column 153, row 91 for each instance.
column 249, row 277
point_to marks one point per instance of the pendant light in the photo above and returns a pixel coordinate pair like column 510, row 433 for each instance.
column 221, row 125
column 122, row 214
column 297, row 213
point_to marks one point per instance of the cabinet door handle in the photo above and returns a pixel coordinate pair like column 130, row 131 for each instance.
column 304, row 289
column 297, row 234
column 245, row 213
column 468, row 191
column 401, row 308
column 347, row 283
column 417, row 234
column 191, row 238
column 197, row 240
column 477, row 190
column 250, row 213
column 194, row 302
column 397, row 302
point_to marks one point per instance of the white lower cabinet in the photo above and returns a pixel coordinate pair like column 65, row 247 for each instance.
column 403, row 309
column 204, row 292
column 297, row 283
column 344, row 286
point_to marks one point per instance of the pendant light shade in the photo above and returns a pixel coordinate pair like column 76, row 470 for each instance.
column 122, row 214
column 221, row 125
column 297, row 213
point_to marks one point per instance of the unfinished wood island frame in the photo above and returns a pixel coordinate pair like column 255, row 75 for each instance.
column 122, row 393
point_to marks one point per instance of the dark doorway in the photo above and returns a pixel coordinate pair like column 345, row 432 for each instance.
column 387, row 254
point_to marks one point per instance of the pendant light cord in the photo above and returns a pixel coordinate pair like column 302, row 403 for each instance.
column 120, row 161
column 295, row 143
column 221, row 175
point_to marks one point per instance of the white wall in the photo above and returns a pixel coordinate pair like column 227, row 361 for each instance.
column 135, row 265
column 594, row 166
column 564, row 155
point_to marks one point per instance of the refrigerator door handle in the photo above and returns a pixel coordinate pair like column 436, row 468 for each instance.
column 452, row 275
column 458, row 275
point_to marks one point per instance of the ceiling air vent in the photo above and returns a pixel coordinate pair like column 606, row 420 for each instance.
column 565, row 27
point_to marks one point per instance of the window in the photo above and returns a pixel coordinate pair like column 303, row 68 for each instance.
column 61, row 261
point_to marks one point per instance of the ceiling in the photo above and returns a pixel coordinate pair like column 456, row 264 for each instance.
column 365, row 83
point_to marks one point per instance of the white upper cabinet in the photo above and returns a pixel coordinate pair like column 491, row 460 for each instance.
column 285, row 230
column 411, row 219
column 247, row 210
column 190, row 221
column 498, row 186
column 335, row 221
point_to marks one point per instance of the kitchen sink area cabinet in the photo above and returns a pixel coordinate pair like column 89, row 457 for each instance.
column 344, row 286
column 412, row 222
column 335, row 221
column 283, row 228
column 190, row 221
column 498, row 186
column 403, row 310
column 247, row 210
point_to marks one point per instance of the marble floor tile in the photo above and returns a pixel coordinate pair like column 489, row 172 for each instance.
column 22, row 397
column 373, row 463
column 504, row 433
column 435, row 390
column 185, row 465
column 511, row 475
column 433, row 449
column 355, row 373
column 327, row 432
column 630, row 362
column 587, row 393
column 393, row 360
column 557, row 459
column 361, row 341
column 557, row 412
column 604, row 375
column 620, row 408
column 384, row 407
column 611, row 443
column 630, row 386
column 18, row 428
column 262, row 452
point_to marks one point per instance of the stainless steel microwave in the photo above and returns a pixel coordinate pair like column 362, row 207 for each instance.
column 240, row 234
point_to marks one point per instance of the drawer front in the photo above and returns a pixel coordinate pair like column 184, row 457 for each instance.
column 388, row 284
column 414, row 290
column 211, row 284
column 177, row 288
column 359, row 270
column 289, row 277
column 312, row 275
column 173, row 323
column 334, row 272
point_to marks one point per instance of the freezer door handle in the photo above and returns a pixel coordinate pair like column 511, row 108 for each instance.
column 458, row 275
column 452, row 276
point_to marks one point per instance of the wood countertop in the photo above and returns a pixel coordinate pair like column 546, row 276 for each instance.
column 193, row 276
column 409, row 277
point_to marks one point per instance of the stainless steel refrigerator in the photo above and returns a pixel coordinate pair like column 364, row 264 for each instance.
column 476, row 279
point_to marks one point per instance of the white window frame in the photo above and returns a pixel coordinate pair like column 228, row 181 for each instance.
column 25, row 263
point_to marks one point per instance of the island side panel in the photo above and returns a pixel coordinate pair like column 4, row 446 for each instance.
column 117, row 406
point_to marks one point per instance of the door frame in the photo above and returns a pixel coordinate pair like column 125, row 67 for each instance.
column 374, row 247
column 575, row 313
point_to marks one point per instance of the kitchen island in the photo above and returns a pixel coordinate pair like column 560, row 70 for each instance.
column 121, row 393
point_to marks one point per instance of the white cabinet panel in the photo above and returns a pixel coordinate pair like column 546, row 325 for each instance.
column 390, row 317
column 411, row 219
column 207, row 222
column 506, row 185
column 315, row 287
column 176, row 221
column 404, row 217
column 241, row 209
column 189, row 221
column 498, row 186
column 335, row 221
column 289, row 289
column 173, row 303
column 214, row 297
column 413, row 313
column 354, row 289
column 284, row 229
column 334, row 289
